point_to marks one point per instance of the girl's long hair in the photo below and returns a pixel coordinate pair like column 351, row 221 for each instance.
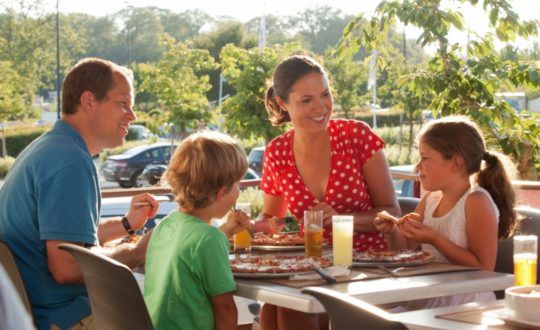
column 459, row 136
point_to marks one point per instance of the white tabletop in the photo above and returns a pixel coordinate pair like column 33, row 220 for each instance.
column 427, row 318
column 379, row 291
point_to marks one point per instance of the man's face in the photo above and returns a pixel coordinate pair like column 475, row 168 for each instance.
column 113, row 114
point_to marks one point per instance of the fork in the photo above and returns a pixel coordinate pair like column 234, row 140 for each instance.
column 391, row 272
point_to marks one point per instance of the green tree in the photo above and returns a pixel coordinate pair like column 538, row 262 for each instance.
column 348, row 83
column 226, row 32
column 177, row 84
column 320, row 27
column 462, row 85
column 185, row 25
column 12, row 104
column 143, row 28
column 23, row 44
column 247, row 71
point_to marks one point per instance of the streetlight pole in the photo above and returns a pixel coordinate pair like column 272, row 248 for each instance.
column 57, row 61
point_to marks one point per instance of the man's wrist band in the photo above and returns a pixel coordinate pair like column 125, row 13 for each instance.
column 127, row 226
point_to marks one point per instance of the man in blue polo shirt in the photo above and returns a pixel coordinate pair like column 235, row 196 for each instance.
column 51, row 195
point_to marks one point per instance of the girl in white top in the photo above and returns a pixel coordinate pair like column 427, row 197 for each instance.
column 468, row 207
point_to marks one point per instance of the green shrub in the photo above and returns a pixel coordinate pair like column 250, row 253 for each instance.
column 18, row 138
column 5, row 165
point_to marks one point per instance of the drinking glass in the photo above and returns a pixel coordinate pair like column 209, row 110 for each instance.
column 242, row 240
column 525, row 259
column 313, row 233
column 342, row 233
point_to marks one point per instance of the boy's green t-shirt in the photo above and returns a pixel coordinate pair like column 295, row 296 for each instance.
column 186, row 264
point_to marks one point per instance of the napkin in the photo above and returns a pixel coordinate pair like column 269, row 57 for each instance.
column 334, row 271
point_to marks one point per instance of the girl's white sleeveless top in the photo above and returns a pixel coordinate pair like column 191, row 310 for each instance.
column 451, row 225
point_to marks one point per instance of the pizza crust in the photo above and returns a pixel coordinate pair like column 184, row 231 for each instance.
column 277, row 264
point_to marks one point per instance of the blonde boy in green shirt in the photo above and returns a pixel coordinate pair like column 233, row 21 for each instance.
column 188, row 281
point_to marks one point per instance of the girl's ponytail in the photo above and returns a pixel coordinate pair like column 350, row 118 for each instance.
column 494, row 178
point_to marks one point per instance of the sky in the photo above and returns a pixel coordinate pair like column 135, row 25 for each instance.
column 245, row 10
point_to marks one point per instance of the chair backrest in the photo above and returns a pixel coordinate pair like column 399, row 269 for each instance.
column 408, row 204
column 115, row 296
column 529, row 224
column 8, row 261
column 347, row 313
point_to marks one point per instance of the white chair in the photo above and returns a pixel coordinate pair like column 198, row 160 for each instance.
column 115, row 295
column 348, row 313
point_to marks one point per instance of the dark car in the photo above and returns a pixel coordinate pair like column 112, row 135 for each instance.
column 138, row 132
column 255, row 159
column 152, row 174
column 127, row 168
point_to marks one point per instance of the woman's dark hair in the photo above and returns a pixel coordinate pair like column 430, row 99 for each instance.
column 459, row 136
column 286, row 73
column 90, row 74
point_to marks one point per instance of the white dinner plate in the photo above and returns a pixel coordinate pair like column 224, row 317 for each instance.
column 278, row 247
column 269, row 275
column 368, row 264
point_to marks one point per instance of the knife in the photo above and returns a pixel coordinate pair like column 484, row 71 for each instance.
column 324, row 274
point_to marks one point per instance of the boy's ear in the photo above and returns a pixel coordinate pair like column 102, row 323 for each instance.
column 221, row 192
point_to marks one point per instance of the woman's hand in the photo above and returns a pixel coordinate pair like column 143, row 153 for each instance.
column 138, row 214
column 328, row 212
column 383, row 225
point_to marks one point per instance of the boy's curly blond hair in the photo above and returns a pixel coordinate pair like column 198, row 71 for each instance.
column 201, row 165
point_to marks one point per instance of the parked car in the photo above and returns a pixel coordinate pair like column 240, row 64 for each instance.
column 255, row 159
column 126, row 169
column 152, row 173
column 138, row 132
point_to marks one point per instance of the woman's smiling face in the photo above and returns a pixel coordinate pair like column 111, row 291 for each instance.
column 310, row 103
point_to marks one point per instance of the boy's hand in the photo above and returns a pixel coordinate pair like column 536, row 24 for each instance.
column 237, row 221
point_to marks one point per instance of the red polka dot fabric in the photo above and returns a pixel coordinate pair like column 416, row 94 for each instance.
column 352, row 144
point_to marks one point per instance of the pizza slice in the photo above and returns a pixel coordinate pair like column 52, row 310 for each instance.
column 395, row 220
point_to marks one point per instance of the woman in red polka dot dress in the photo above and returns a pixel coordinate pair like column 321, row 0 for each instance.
column 334, row 165
column 337, row 166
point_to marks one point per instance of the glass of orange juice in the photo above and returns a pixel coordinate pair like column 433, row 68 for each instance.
column 242, row 240
column 525, row 259
column 313, row 233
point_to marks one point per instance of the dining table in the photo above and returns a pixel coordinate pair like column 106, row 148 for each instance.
column 377, row 287
column 471, row 316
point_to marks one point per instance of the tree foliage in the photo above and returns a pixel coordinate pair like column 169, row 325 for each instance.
column 456, row 84
column 177, row 83
column 247, row 72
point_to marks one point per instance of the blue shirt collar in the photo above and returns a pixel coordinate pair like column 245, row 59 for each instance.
column 61, row 127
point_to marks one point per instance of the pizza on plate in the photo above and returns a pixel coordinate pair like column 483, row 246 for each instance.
column 392, row 256
column 277, row 264
column 281, row 239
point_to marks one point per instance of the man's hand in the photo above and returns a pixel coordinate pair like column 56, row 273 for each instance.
column 143, row 207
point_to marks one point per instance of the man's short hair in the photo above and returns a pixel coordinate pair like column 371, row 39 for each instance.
column 201, row 165
column 90, row 74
